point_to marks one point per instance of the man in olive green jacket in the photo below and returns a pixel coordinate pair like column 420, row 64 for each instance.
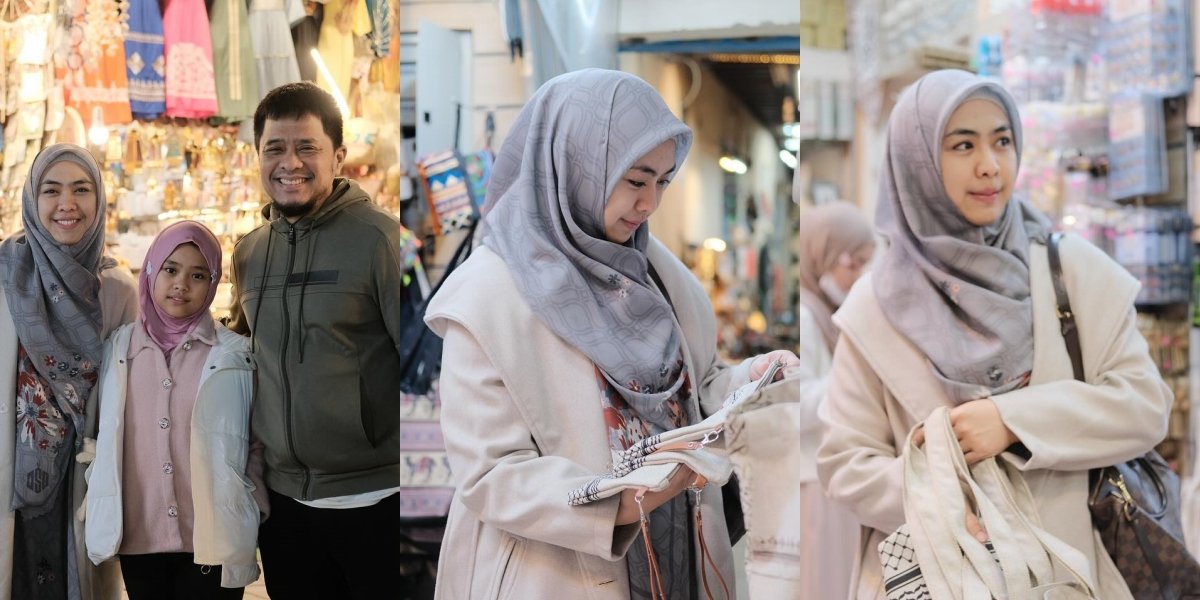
column 319, row 291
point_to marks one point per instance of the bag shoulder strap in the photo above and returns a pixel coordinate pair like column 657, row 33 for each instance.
column 1066, row 318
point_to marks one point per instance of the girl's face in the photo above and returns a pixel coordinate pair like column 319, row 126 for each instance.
column 66, row 202
column 182, row 283
column 638, row 193
column 850, row 266
column 979, row 161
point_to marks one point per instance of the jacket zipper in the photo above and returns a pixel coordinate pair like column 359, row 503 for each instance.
column 283, row 362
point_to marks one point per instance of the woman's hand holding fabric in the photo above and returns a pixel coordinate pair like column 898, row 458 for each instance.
column 975, row 528
column 628, row 513
column 981, row 432
column 763, row 361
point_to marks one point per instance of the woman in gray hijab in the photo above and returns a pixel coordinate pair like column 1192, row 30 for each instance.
column 60, row 298
column 571, row 334
column 960, row 312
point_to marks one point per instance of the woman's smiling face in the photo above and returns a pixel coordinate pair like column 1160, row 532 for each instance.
column 979, row 161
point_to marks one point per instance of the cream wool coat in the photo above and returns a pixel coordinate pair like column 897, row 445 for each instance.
column 226, row 510
column 118, row 302
column 881, row 387
column 522, row 419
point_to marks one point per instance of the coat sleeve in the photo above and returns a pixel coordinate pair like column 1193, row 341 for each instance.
column 118, row 299
column 501, row 474
column 813, row 382
column 857, row 460
column 236, row 321
column 720, row 380
column 1119, row 414
column 391, row 293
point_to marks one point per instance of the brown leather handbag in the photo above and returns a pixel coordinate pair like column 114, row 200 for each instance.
column 1135, row 505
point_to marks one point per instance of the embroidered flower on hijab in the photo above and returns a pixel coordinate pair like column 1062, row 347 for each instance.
column 620, row 284
column 995, row 375
column 37, row 420
column 48, row 360
column 56, row 293
column 951, row 290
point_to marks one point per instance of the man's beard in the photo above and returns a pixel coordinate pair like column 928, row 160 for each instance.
column 292, row 211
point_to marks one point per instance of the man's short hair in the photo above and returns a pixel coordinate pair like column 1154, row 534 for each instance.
column 295, row 101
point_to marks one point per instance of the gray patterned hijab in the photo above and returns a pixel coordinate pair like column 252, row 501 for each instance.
column 959, row 292
column 53, row 293
column 566, row 152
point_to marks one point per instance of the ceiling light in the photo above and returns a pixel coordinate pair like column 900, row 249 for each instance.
column 788, row 158
column 714, row 244
column 733, row 165
column 754, row 58
column 338, row 98
column 97, row 134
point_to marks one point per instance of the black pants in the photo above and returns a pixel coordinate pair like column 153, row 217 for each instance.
column 173, row 576
column 318, row 553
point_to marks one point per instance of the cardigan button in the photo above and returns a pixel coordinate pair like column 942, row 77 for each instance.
column 168, row 468
column 187, row 345
column 167, row 383
column 172, row 512
column 164, row 423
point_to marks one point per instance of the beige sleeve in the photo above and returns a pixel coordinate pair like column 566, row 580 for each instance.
column 501, row 474
column 118, row 299
column 857, row 460
column 1119, row 414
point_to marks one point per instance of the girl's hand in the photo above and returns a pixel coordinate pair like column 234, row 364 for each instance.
column 763, row 361
column 980, row 431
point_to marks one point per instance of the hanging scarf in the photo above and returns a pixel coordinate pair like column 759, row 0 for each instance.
column 570, row 146
column 167, row 331
column 958, row 292
column 145, row 61
column 826, row 234
column 53, row 293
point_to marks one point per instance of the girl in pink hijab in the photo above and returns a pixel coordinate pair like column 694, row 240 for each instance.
column 171, row 492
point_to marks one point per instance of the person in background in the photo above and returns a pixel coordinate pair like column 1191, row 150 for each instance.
column 954, row 314
column 836, row 243
column 60, row 299
column 571, row 334
column 175, row 490
column 319, row 290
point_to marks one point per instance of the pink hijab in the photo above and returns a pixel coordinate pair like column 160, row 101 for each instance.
column 165, row 330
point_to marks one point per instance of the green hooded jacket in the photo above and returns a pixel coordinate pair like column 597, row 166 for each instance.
column 327, row 387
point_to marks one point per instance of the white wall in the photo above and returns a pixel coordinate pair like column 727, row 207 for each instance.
column 498, row 83
column 659, row 20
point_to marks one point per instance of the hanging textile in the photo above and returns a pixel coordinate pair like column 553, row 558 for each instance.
column 344, row 19
column 380, row 36
column 144, row 59
column 233, row 61
column 274, row 51
column 190, row 84
column 93, row 74
column 304, row 38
